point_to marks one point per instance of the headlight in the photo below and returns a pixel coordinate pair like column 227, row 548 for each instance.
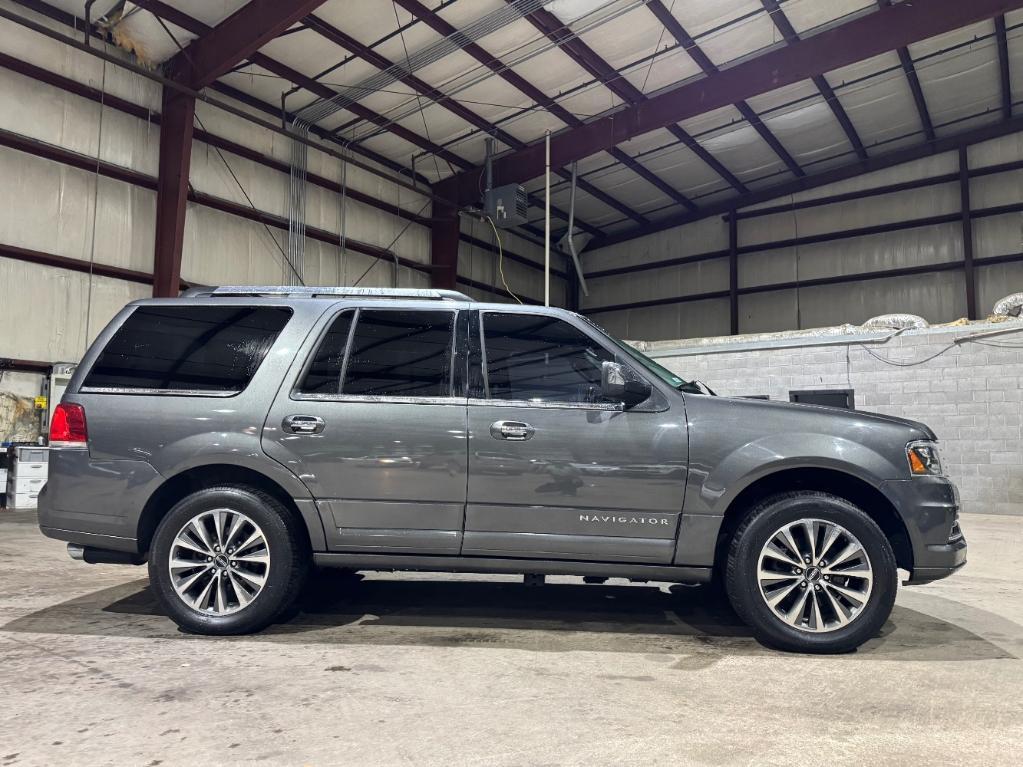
column 923, row 458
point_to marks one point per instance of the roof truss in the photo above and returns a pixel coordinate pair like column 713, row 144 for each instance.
column 883, row 30
column 236, row 38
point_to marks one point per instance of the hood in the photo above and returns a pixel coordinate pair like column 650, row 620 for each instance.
column 842, row 419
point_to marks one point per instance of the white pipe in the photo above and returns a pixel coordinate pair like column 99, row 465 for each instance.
column 547, row 222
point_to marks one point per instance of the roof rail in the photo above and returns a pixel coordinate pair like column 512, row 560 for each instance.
column 291, row 291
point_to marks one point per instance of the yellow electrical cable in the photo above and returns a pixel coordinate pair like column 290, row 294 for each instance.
column 500, row 260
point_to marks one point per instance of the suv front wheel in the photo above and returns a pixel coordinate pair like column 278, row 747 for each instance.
column 227, row 560
column 811, row 572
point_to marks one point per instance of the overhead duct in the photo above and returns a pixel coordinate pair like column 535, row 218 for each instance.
column 1010, row 306
column 570, row 242
column 895, row 322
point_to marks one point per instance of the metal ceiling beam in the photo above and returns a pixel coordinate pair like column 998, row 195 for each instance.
column 186, row 22
column 93, row 94
column 781, row 21
column 1003, row 66
column 861, row 38
column 236, row 38
column 709, row 67
column 914, row 82
column 180, row 19
column 364, row 52
column 195, row 26
column 830, row 176
column 214, row 52
column 443, row 28
column 548, row 24
column 316, row 88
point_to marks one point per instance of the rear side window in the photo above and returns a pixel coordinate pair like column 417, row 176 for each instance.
column 403, row 353
column 188, row 348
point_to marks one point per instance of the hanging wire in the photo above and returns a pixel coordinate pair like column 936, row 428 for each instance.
column 343, row 223
column 419, row 100
column 404, row 229
column 95, row 204
column 500, row 260
column 657, row 49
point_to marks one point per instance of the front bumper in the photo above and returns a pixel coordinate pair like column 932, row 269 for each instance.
column 929, row 507
column 954, row 554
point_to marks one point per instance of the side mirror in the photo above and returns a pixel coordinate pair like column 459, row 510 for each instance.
column 621, row 384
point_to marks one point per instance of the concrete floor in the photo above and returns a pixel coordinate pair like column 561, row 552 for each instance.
column 452, row 671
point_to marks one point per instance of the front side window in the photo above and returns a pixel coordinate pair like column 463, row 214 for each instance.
column 188, row 348
column 540, row 359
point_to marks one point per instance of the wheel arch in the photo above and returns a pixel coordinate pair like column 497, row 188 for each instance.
column 845, row 485
column 211, row 475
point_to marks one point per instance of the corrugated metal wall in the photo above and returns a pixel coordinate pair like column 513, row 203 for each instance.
column 938, row 296
column 49, row 207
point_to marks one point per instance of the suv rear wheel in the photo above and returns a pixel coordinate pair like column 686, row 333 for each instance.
column 811, row 572
column 227, row 560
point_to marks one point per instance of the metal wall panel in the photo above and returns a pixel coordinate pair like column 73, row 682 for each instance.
column 872, row 253
column 48, row 307
column 938, row 297
column 995, row 282
column 690, row 320
column 49, row 207
column 869, row 211
column 998, row 236
column 702, row 236
column 997, row 151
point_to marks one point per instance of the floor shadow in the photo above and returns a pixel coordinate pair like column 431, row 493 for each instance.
column 345, row 609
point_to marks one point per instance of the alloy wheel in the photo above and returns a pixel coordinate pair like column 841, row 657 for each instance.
column 219, row 562
column 815, row 575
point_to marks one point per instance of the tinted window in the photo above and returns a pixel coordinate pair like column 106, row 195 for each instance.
column 400, row 353
column 196, row 348
column 324, row 373
column 544, row 359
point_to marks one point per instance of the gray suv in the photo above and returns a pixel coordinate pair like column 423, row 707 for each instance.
column 234, row 437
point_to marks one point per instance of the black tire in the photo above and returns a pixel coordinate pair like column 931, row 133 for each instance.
column 285, row 575
column 742, row 583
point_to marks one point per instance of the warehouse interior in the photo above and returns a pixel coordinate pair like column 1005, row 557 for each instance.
column 815, row 201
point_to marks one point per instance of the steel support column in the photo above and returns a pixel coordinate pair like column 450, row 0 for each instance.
column 444, row 237
column 964, row 202
column 733, row 273
column 176, row 127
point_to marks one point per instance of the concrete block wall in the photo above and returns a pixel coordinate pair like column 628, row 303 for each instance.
column 963, row 382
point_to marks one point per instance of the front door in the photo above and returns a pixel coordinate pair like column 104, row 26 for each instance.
column 554, row 472
column 372, row 426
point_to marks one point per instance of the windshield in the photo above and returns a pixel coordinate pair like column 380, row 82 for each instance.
column 645, row 362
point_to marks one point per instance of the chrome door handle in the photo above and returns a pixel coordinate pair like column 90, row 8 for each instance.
column 303, row 424
column 516, row 431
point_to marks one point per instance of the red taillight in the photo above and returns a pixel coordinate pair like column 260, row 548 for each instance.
column 67, row 427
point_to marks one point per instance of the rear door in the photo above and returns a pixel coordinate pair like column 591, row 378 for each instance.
column 553, row 471
column 375, row 425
